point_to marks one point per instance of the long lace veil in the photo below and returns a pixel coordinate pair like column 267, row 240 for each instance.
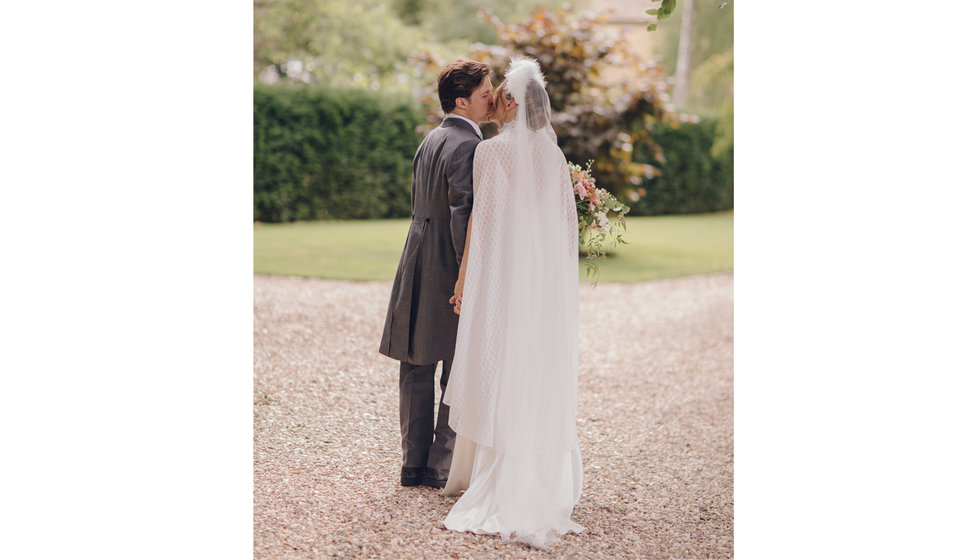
column 514, row 377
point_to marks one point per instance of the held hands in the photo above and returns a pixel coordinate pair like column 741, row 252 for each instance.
column 457, row 300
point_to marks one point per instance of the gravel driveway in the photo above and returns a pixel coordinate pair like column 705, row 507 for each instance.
column 655, row 423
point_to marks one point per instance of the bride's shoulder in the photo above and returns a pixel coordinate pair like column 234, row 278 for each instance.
column 498, row 140
column 492, row 146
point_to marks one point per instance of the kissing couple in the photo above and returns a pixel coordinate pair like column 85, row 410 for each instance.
column 487, row 284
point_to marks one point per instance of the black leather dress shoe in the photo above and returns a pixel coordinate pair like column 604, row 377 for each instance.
column 412, row 476
column 433, row 479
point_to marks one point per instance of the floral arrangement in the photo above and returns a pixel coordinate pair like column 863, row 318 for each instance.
column 595, row 230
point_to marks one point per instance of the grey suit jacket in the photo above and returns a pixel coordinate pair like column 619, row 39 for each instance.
column 420, row 326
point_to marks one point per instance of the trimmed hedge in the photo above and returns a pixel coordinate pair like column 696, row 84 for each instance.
column 328, row 154
column 691, row 180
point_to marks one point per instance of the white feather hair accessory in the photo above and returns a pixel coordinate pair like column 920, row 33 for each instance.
column 522, row 70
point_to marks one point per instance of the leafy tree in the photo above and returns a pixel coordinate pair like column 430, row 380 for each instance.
column 661, row 12
column 339, row 43
column 666, row 7
column 449, row 21
column 334, row 43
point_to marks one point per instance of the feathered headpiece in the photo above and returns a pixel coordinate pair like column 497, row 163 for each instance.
column 522, row 70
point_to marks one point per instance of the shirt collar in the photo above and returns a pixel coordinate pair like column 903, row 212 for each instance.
column 473, row 124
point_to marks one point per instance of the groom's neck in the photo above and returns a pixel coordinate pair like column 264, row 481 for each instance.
column 460, row 113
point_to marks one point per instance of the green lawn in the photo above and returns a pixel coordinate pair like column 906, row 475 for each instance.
column 660, row 247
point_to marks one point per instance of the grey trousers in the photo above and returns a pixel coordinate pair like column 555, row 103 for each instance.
column 423, row 446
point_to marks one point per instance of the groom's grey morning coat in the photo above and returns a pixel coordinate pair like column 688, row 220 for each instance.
column 420, row 326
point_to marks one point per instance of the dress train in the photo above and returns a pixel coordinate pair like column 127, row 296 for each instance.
column 527, row 499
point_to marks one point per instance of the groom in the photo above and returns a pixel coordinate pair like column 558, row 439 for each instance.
column 420, row 327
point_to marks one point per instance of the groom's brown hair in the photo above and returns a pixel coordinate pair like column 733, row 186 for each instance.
column 459, row 79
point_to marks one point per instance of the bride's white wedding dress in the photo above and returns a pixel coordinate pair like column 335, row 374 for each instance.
column 513, row 390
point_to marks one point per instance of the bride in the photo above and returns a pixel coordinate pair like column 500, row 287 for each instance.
column 513, row 392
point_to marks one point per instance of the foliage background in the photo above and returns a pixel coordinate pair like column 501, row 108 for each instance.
column 345, row 91
column 712, row 53
column 327, row 154
column 691, row 178
column 369, row 45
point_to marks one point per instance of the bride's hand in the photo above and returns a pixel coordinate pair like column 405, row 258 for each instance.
column 457, row 299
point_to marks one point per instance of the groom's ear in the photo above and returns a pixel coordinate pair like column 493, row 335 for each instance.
column 461, row 103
